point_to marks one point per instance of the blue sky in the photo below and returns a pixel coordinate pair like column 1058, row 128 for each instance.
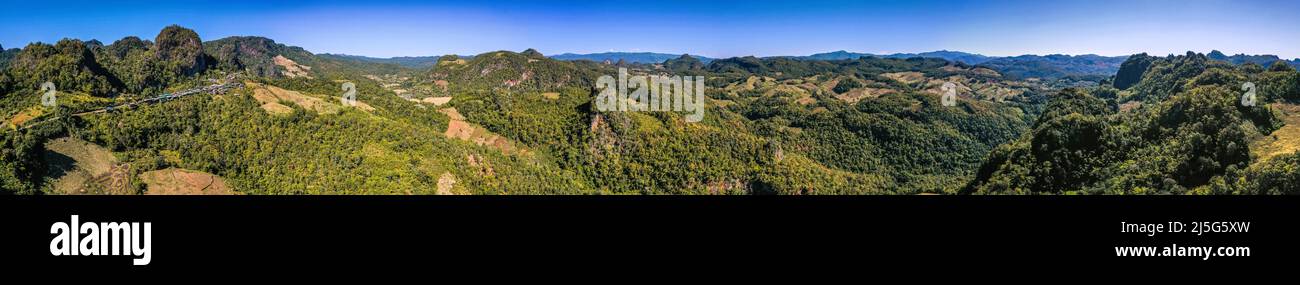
column 711, row 28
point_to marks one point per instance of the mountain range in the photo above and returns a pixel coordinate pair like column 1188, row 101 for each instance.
column 404, row 61
column 627, row 57
column 1264, row 60
column 1088, row 67
column 612, row 57
column 956, row 56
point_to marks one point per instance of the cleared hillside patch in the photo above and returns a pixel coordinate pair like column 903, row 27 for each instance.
column 272, row 97
column 176, row 181
column 460, row 129
column 79, row 167
column 292, row 69
column 1283, row 141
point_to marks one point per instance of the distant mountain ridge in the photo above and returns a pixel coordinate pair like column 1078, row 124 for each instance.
column 1089, row 67
column 1263, row 59
column 627, row 57
column 1018, row 67
column 406, row 61
column 968, row 58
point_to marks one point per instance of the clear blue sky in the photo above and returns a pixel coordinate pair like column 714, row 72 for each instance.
column 712, row 28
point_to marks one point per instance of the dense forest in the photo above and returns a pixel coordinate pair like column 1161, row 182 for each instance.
column 1181, row 129
column 508, row 122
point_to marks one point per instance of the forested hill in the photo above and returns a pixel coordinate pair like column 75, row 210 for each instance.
column 1183, row 127
column 285, row 131
column 773, row 125
column 498, row 122
column 276, row 119
column 263, row 57
column 1088, row 67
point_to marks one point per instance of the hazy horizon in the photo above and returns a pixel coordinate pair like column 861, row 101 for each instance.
column 716, row 29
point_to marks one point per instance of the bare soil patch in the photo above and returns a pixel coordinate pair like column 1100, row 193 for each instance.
column 855, row 95
column 436, row 101
column 292, row 69
column 22, row 117
column 460, row 129
column 267, row 94
column 910, row 77
column 445, row 183
column 276, row 108
column 176, row 181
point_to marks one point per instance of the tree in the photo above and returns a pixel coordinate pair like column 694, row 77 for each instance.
column 847, row 84
column 1281, row 175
